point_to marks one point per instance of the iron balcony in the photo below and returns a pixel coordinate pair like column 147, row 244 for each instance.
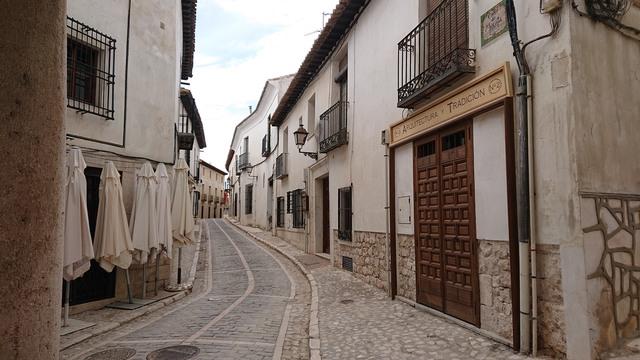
column 333, row 127
column 281, row 166
column 435, row 53
column 243, row 161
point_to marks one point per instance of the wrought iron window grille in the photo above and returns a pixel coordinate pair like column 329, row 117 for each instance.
column 248, row 199
column 345, row 214
column 266, row 146
column 90, row 70
column 435, row 52
column 296, row 206
column 280, row 210
column 333, row 127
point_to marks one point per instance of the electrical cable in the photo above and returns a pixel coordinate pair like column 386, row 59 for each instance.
column 609, row 12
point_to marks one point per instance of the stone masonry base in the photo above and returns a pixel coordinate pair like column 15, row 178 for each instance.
column 368, row 253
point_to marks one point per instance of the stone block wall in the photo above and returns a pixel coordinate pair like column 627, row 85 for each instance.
column 496, row 307
column 406, row 266
column 367, row 249
column 551, row 327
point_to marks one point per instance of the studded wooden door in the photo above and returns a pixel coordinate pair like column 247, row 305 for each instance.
column 446, row 254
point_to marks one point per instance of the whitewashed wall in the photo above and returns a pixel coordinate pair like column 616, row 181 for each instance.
column 255, row 126
column 155, row 47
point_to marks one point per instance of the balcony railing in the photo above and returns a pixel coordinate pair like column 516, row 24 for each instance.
column 435, row 52
column 266, row 146
column 333, row 127
column 243, row 161
column 281, row 166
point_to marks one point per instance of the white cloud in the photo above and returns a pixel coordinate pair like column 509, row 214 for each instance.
column 224, row 88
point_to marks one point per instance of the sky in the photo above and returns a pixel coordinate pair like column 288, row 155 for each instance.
column 239, row 45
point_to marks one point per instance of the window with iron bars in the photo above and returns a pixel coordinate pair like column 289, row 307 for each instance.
column 295, row 206
column 344, row 214
column 248, row 199
column 280, row 212
column 90, row 70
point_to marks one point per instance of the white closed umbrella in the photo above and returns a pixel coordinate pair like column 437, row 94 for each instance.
column 182, row 219
column 78, row 249
column 163, row 209
column 113, row 246
column 143, row 223
column 163, row 216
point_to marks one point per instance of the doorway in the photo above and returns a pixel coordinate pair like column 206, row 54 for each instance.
column 326, row 219
column 446, row 247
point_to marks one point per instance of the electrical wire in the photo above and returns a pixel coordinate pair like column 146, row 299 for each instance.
column 609, row 12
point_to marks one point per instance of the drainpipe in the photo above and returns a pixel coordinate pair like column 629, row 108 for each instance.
column 387, row 218
column 532, row 221
column 523, row 103
column 524, row 211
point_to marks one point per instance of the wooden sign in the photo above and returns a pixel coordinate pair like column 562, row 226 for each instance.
column 476, row 95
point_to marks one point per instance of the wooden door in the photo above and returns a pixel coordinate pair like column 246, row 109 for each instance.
column 326, row 223
column 446, row 254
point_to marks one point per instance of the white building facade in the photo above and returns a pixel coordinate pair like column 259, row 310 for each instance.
column 211, row 188
column 408, row 176
column 252, row 159
column 125, row 62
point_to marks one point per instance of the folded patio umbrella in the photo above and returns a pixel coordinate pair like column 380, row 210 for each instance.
column 163, row 209
column 143, row 223
column 113, row 246
column 78, row 249
column 182, row 219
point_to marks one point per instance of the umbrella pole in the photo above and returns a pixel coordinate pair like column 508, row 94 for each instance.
column 126, row 274
column 66, row 303
column 179, row 265
column 144, row 280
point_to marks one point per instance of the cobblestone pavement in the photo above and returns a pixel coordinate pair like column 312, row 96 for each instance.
column 359, row 321
column 248, row 303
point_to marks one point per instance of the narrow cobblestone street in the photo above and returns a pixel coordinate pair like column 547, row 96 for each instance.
column 248, row 303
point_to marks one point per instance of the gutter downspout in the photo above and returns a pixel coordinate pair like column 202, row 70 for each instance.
column 532, row 220
column 387, row 218
column 524, row 211
column 523, row 183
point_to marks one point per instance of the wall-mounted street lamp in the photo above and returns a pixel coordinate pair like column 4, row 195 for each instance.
column 301, row 138
column 249, row 171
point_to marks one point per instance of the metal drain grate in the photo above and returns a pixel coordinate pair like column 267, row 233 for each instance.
column 178, row 352
column 347, row 263
column 112, row 354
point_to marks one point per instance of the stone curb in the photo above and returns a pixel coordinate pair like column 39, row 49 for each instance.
column 314, row 325
column 103, row 328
